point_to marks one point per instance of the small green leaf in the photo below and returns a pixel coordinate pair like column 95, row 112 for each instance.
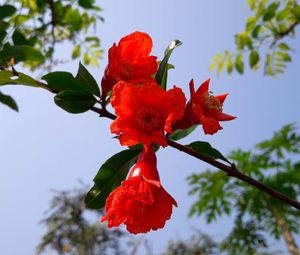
column 162, row 73
column 254, row 59
column 87, row 4
column 229, row 64
column 6, row 11
column 9, row 101
column 284, row 46
column 296, row 12
column 64, row 81
column 181, row 133
column 85, row 78
column 20, row 53
column 239, row 65
column 251, row 21
column 76, row 51
column 207, row 149
column 255, row 31
column 19, row 38
column 283, row 15
column 74, row 101
column 110, row 176
column 8, row 78
column 283, row 56
column 3, row 34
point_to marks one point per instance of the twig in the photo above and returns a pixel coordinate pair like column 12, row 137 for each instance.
column 233, row 171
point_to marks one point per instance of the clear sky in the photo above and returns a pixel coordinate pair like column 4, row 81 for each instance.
column 44, row 148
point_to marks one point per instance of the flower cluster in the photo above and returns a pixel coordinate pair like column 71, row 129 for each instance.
column 145, row 114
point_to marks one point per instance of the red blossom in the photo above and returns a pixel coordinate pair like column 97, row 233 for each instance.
column 144, row 111
column 141, row 203
column 129, row 60
column 204, row 108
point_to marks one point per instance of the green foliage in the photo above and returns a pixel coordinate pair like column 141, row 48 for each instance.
column 274, row 162
column 74, row 101
column 9, row 101
column 31, row 30
column 181, row 133
column 197, row 244
column 71, row 231
column 110, row 176
column 162, row 72
column 269, row 26
column 208, row 150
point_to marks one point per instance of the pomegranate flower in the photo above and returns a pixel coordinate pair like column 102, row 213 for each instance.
column 204, row 108
column 141, row 203
column 144, row 111
column 129, row 60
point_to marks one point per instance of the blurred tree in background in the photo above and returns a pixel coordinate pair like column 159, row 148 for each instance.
column 71, row 229
column 265, row 39
column 274, row 162
column 31, row 31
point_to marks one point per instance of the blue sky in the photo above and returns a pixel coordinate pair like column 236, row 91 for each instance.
column 44, row 148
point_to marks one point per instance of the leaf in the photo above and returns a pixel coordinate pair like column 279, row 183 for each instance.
column 296, row 12
column 76, row 51
column 84, row 77
column 19, row 38
column 6, row 11
column 283, row 56
column 162, row 73
column 239, row 65
column 87, row 4
column 284, row 46
column 2, row 36
column 64, row 81
column 74, row 101
column 20, row 53
column 8, row 78
column 255, row 31
column 181, row 133
column 254, row 59
column 208, row 150
column 9, row 101
column 229, row 64
column 110, row 176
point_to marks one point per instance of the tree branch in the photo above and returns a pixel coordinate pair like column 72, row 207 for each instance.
column 233, row 171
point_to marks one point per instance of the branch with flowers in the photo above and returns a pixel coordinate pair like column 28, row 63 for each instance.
column 147, row 117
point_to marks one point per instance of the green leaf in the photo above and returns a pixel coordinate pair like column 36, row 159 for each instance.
column 207, row 149
column 296, row 12
column 76, row 51
column 2, row 36
column 20, row 53
column 8, row 78
column 64, row 81
column 239, row 65
column 9, row 101
column 110, row 176
column 84, row 77
column 254, row 59
column 229, row 64
column 87, row 4
column 19, row 38
column 162, row 73
column 283, row 56
column 181, row 133
column 6, row 11
column 284, row 46
column 74, row 101
column 255, row 31
column 251, row 21
column 283, row 15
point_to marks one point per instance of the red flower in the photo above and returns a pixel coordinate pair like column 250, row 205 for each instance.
column 205, row 109
column 145, row 111
column 141, row 203
column 129, row 60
